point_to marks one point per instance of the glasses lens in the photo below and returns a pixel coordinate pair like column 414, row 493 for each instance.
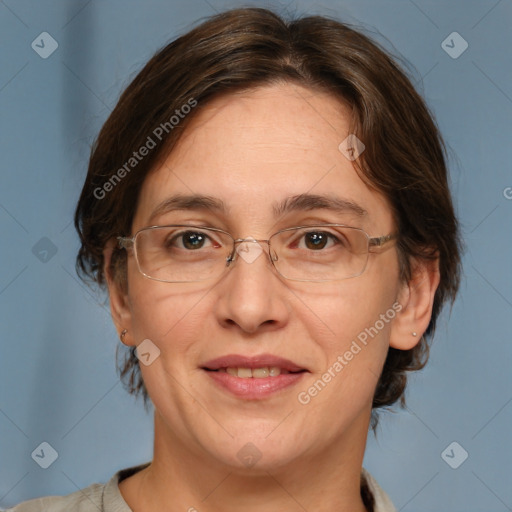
column 182, row 253
column 320, row 253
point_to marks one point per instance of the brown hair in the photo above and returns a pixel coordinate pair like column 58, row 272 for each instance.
column 245, row 48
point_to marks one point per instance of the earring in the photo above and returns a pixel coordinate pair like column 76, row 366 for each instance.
column 415, row 334
column 122, row 335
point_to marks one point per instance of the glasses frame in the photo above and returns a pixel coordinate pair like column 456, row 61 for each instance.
column 373, row 242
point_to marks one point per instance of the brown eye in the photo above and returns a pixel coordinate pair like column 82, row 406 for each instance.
column 189, row 240
column 316, row 240
column 193, row 240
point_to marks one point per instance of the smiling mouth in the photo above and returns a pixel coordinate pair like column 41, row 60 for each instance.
column 255, row 373
column 253, row 378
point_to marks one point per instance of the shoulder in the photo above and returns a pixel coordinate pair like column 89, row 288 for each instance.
column 380, row 500
column 86, row 500
column 95, row 498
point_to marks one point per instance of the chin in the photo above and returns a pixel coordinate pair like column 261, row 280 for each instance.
column 261, row 449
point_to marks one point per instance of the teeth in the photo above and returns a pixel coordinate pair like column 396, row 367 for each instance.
column 244, row 373
column 257, row 373
column 260, row 373
column 275, row 371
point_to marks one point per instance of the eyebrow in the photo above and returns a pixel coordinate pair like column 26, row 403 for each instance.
column 188, row 202
column 302, row 202
column 318, row 202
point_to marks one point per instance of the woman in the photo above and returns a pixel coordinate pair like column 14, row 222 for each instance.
column 268, row 207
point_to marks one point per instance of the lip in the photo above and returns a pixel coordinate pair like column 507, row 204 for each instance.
column 259, row 361
column 253, row 388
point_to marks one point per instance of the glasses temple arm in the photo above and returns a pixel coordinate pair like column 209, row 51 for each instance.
column 380, row 241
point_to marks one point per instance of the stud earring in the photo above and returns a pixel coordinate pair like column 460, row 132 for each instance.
column 122, row 335
column 415, row 334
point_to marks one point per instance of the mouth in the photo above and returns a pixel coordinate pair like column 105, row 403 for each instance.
column 255, row 373
column 253, row 378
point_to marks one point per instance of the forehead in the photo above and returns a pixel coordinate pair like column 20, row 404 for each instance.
column 255, row 149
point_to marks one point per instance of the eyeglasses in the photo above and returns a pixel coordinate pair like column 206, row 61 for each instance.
column 187, row 253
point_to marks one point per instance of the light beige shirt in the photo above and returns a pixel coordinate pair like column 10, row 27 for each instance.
column 108, row 498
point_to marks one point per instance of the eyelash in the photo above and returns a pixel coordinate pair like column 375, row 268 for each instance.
column 296, row 239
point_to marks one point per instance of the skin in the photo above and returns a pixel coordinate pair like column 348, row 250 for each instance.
column 250, row 150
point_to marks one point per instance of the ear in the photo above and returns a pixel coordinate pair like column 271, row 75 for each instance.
column 416, row 298
column 119, row 302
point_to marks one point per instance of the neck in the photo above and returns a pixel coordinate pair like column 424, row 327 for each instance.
column 193, row 481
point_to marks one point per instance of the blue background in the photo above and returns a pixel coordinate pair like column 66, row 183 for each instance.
column 58, row 379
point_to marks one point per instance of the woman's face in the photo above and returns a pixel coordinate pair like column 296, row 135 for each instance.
column 252, row 151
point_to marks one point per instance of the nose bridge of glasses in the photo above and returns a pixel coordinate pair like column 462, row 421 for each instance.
column 249, row 249
column 251, row 240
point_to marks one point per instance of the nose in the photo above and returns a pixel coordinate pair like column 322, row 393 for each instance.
column 252, row 296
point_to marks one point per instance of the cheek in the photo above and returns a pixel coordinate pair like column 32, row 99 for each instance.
column 347, row 308
column 173, row 319
column 359, row 338
column 343, row 388
column 358, row 314
column 166, row 313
